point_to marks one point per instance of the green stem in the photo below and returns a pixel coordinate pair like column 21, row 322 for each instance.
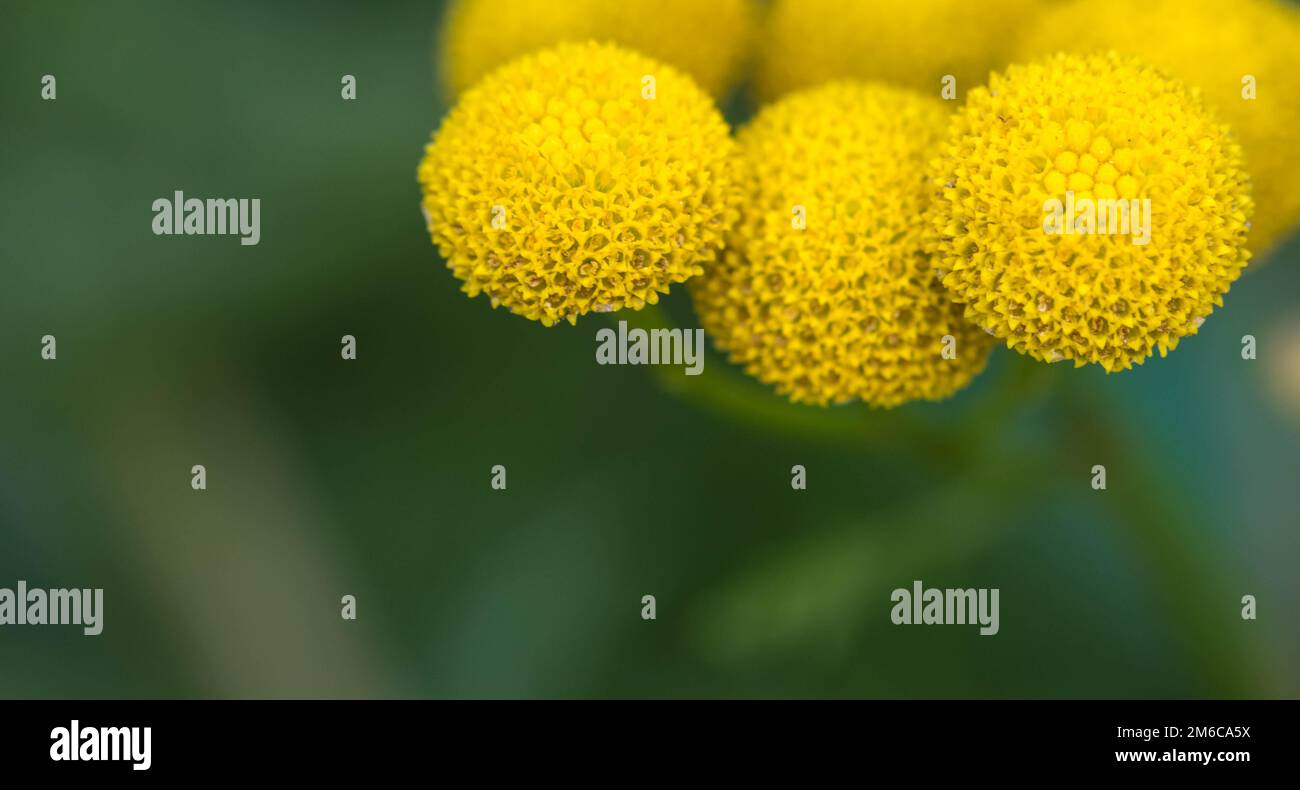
column 1166, row 538
column 729, row 394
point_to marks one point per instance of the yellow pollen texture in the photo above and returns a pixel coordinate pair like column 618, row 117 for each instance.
column 1077, row 131
column 825, row 291
column 584, row 178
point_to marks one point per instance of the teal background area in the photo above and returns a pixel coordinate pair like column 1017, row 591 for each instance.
column 371, row 477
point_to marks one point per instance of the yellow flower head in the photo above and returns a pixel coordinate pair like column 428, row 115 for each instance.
column 1243, row 56
column 708, row 39
column 1024, row 160
column 581, row 178
column 824, row 290
column 914, row 43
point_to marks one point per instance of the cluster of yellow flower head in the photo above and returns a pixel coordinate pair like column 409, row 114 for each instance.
column 1059, row 129
column 826, row 290
column 862, row 238
column 1244, row 55
column 556, row 189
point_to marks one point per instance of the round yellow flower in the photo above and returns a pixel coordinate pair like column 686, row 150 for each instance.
column 824, row 290
column 1026, row 157
column 914, row 43
column 710, row 40
column 1231, row 50
column 581, row 178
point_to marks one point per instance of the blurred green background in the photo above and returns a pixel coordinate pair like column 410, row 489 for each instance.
column 371, row 477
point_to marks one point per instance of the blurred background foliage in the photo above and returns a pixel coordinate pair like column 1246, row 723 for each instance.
column 371, row 477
